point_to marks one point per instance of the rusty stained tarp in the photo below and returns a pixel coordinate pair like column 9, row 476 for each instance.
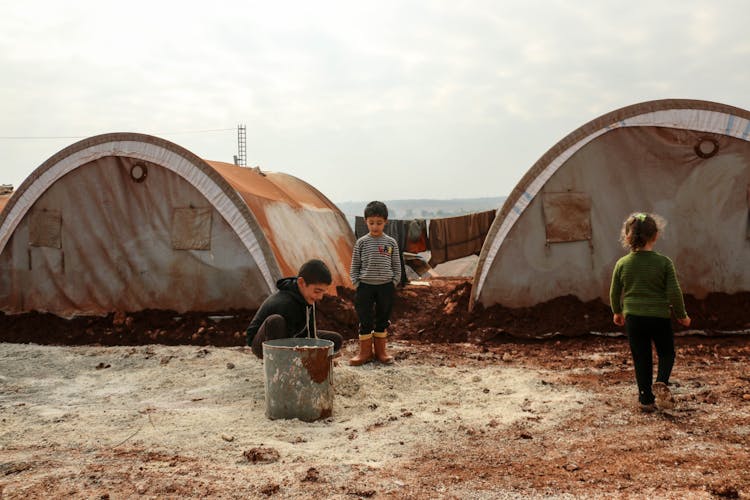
column 298, row 221
column 192, row 235
column 108, row 246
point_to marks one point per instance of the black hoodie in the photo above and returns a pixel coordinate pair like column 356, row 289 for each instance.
column 289, row 303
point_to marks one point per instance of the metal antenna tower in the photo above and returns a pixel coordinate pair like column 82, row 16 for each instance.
column 241, row 157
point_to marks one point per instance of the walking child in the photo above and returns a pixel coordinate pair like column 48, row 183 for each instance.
column 375, row 272
column 644, row 287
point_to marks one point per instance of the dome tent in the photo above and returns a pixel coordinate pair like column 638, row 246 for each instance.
column 557, row 233
column 126, row 222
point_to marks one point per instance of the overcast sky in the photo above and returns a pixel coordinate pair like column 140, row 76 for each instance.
column 364, row 100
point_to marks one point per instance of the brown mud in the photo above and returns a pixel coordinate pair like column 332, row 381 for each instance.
column 184, row 431
column 435, row 313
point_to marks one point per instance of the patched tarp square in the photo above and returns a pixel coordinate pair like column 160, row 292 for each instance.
column 567, row 217
column 45, row 228
column 191, row 229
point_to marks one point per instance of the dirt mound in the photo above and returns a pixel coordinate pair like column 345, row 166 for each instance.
column 439, row 313
column 433, row 311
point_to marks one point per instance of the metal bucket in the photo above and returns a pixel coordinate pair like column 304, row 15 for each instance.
column 298, row 378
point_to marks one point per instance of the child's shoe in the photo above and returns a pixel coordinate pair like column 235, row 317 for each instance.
column 664, row 398
column 647, row 408
column 365, row 351
column 380, row 352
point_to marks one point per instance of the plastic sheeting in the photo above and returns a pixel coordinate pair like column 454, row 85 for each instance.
column 646, row 157
column 117, row 251
column 83, row 236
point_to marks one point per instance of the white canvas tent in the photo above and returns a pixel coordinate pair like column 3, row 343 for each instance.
column 557, row 233
column 127, row 222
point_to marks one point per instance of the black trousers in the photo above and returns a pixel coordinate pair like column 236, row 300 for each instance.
column 274, row 327
column 642, row 330
column 379, row 298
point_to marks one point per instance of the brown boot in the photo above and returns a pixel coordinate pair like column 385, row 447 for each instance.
column 365, row 351
column 380, row 353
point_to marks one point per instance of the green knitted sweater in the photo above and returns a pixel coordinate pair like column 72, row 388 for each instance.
column 644, row 283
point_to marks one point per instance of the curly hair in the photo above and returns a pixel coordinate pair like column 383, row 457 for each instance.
column 640, row 228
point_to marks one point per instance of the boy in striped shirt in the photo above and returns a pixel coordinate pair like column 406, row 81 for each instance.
column 375, row 272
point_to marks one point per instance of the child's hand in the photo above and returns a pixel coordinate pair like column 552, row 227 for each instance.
column 619, row 319
column 684, row 321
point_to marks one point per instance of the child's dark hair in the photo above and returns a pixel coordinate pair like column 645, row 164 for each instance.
column 640, row 228
column 376, row 209
column 315, row 272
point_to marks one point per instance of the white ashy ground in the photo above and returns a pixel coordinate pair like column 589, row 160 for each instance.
column 209, row 403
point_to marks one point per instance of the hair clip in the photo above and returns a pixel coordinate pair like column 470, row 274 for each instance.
column 640, row 216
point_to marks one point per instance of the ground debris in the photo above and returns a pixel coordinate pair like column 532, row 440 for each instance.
column 724, row 490
column 261, row 455
column 361, row 493
column 312, row 475
column 14, row 468
column 270, row 489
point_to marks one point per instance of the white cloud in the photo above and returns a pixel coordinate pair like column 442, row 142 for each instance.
column 415, row 91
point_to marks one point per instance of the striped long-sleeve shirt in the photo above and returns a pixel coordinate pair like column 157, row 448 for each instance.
column 644, row 283
column 375, row 261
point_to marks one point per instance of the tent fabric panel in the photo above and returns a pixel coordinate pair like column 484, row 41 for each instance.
column 635, row 168
column 298, row 221
column 297, row 235
column 273, row 186
column 117, row 251
column 700, row 116
column 158, row 152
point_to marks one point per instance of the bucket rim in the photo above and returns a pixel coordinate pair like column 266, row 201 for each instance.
column 298, row 342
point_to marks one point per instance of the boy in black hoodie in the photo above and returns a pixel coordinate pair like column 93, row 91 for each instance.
column 290, row 312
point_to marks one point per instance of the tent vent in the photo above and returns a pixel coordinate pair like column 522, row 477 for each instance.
column 706, row 147
column 138, row 172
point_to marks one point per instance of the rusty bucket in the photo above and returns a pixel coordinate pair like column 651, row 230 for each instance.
column 298, row 378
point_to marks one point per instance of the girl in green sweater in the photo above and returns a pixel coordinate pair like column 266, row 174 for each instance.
column 644, row 288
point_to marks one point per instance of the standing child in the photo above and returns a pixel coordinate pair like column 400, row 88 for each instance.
column 375, row 272
column 644, row 286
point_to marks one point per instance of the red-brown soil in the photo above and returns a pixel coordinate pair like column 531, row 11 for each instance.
column 435, row 313
column 609, row 449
